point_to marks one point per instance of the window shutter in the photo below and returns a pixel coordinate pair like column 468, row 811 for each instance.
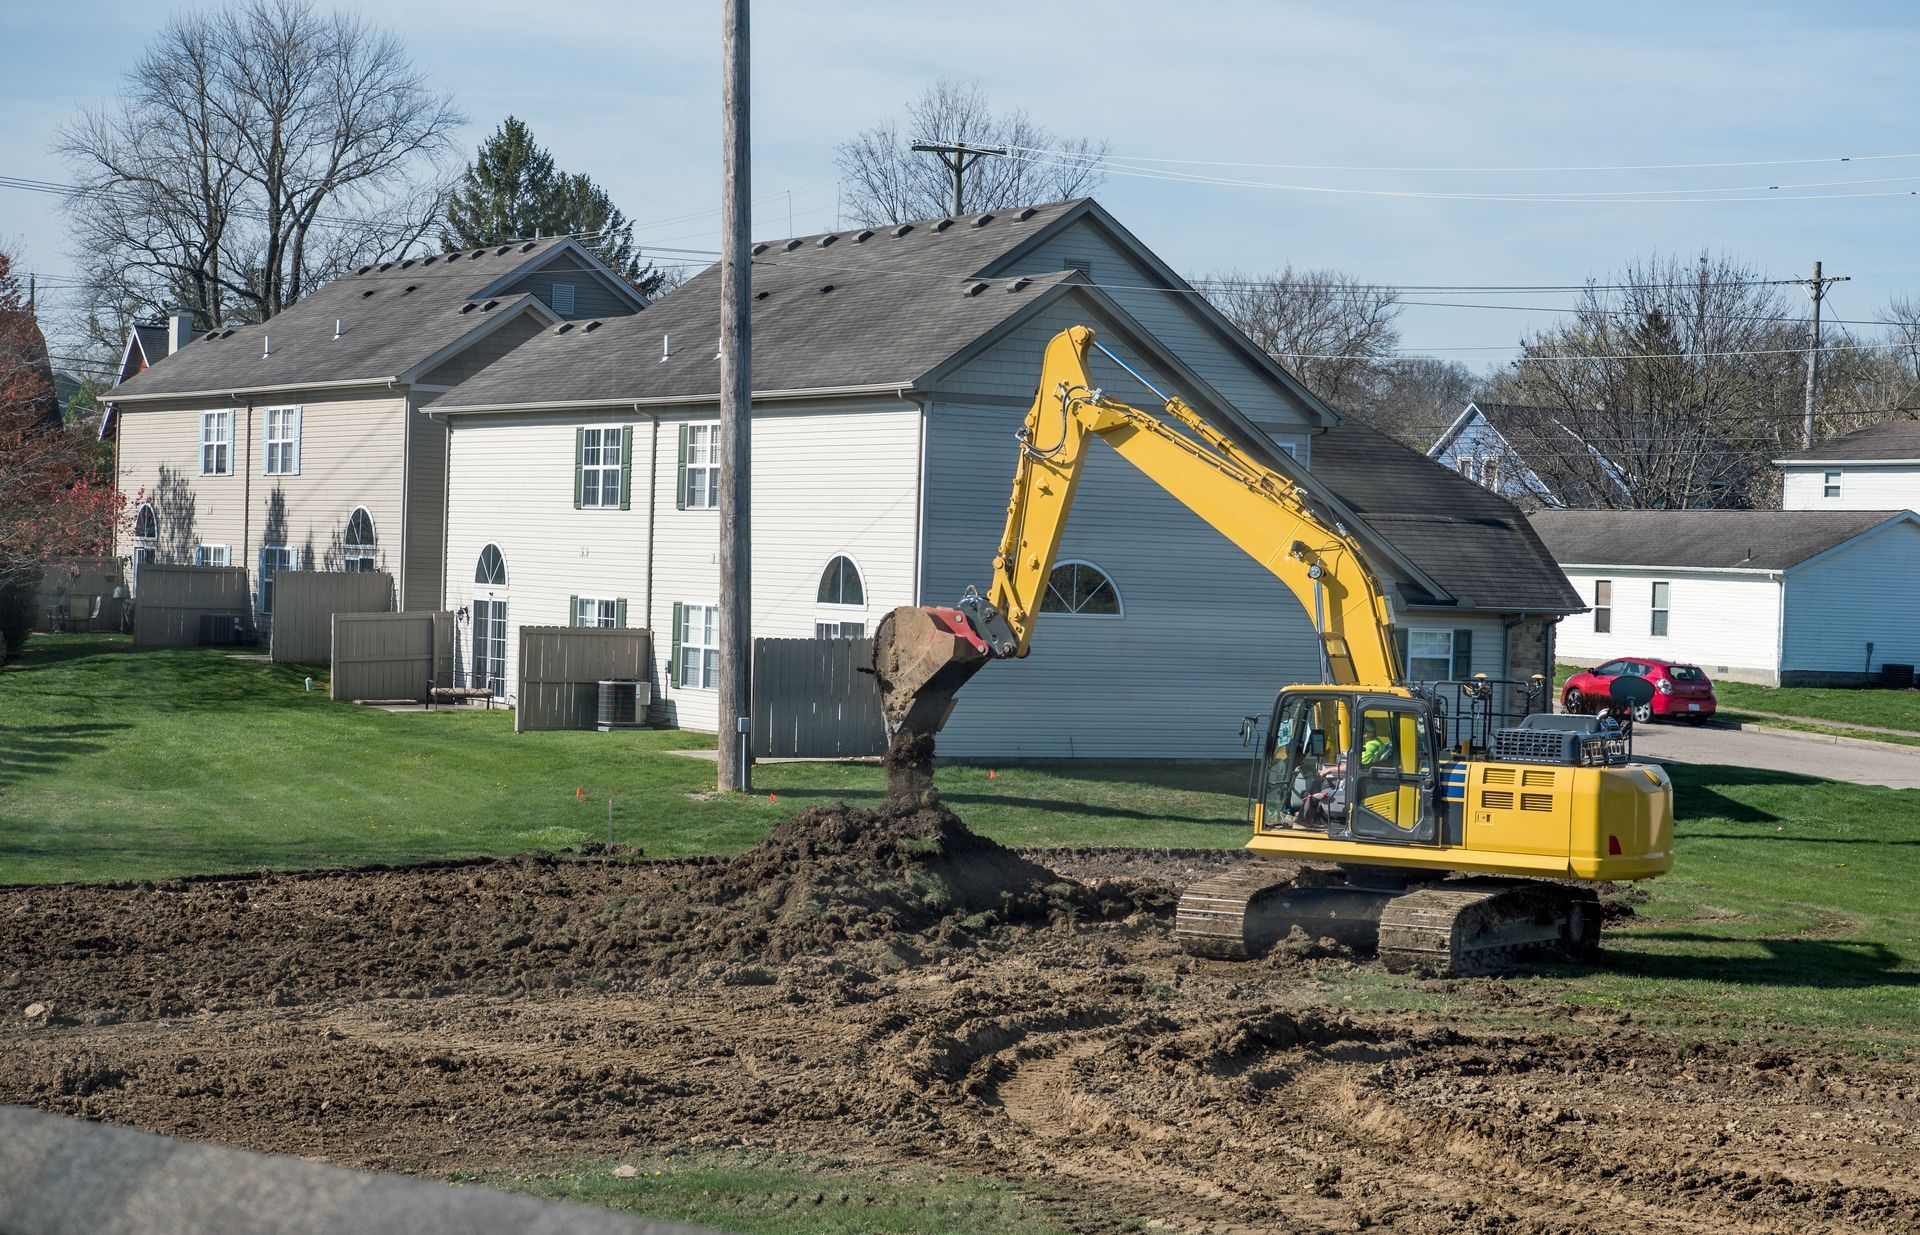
column 620, row 613
column 579, row 464
column 1462, row 653
column 673, row 649
column 626, row 467
column 573, row 610
column 296, row 439
column 680, row 481
column 1400, row 649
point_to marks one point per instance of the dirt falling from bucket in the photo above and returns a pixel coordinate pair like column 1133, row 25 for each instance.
column 909, row 764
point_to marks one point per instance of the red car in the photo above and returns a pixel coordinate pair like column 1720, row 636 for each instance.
column 1678, row 690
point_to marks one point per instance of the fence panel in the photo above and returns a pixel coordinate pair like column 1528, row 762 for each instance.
column 76, row 594
column 304, row 602
column 561, row 668
column 811, row 700
column 173, row 599
column 391, row 655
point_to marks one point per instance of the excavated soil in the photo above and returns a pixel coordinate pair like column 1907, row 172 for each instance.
column 892, row 988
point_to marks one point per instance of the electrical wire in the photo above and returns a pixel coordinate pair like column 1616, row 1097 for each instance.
column 1617, row 167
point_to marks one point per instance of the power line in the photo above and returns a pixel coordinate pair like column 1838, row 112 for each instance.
column 1617, row 167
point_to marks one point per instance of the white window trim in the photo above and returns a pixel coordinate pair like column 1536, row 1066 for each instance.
column 1653, row 610
column 221, row 443
column 215, row 555
column 687, row 610
column 289, row 443
column 612, row 611
column 1830, row 483
column 368, row 551
column 1599, row 608
column 605, row 472
column 1415, row 631
column 140, row 541
column 1118, row 598
column 506, row 576
column 713, row 468
column 836, row 624
column 506, row 643
column 834, row 606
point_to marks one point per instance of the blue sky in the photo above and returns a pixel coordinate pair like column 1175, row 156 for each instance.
column 629, row 93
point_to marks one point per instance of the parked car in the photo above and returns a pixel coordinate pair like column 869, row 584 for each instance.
column 1678, row 690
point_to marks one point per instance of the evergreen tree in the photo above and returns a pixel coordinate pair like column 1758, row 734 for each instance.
column 513, row 190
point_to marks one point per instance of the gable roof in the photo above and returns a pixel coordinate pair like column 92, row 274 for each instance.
column 1473, row 542
column 1890, row 441
column 1703, row 539
column 393, row 319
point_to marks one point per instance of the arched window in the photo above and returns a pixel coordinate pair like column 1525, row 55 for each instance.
column 358, row 544
column 1080, row 587
column 146, row 524
column 840, row 583
column 491, row 569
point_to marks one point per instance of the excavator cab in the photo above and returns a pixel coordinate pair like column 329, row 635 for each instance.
column 1351, row 766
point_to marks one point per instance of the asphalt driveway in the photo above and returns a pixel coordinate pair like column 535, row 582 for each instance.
column 1865, row 763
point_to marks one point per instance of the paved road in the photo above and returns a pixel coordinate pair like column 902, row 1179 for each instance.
column 1877, row 764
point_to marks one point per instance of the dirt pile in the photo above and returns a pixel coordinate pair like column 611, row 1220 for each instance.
column 841, row 874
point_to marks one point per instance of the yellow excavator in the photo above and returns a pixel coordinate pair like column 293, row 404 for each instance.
column 1454, row 846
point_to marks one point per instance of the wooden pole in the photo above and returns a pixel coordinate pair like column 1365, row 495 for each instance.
column 1817, row 288
column 736, row 393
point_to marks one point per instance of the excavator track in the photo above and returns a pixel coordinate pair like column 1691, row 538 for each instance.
column 1445, row 926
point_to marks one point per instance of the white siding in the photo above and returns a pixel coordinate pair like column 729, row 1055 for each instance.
column 1727, row 623
column 1882, row 487
column 1868, row 591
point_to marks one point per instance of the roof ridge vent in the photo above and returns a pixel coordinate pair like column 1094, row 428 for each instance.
column 428, row 260
column 791, row 245
column 502, row 249
column 1024, row 215
column 974, row 289
column 453, row 257
column 866, row 234
column 827, row 288
column 528, row 246
column 467, row 307
column 564, row 327
column 943, row 225
column 590, row 326
column 983, row 220
column 1019, row 283
column 760, row 248
column 488, row 307
column 762, row 294
column 828, row 239
column 408, row 262
column 902, row 230
column 385, row 266
column 362, row 270
column 479, row 253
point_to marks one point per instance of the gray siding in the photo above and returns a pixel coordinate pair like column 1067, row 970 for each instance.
column 592, row 297
column 1867, row 592
column 486, row 351
column 426, row 512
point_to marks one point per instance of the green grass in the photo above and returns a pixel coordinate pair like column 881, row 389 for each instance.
column 1866, row 705
column 753, row 1193
column 1837, row 731
column 126, row 763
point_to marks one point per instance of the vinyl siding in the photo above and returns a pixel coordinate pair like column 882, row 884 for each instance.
column 1868, row 591
column 1726, row 623
column 591, row 295
column 426, row 510
column 1172, row 318
column 351, row 453
column 1888, row 487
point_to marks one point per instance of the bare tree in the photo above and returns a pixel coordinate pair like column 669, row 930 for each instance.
column 888, row 182
column 1413, row 399
column 1330, row 329
column 256, row 151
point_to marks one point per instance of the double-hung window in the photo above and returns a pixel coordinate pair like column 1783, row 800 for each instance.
column 600, row 479
column 697, row 645
column 1430, row 655
column 1830, row 484
column 593, row 611
column 699, row 467
column 281, row 457
column 273, row 560
column 216, row 443
column 1602, row 606
column 213, row 555
column 839, row 630
column 1660, row 609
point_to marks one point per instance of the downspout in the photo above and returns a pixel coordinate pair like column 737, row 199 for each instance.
column 406, row 492
column 653, row 507
column 246, row 498
column 919, row 503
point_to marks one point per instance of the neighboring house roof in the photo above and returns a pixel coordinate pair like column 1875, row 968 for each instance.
column 20, row 330
column 1703, row 539
column 1890, row 441
column 1475, row 543
column 395, row 320
column 146, row 346
column 1531, row 433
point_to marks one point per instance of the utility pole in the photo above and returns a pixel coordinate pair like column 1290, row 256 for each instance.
column 736, row 395
column 958, row 156
column 1817, row 291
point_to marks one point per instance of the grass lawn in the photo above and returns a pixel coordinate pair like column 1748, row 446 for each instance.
column 1790, row 910
column 1885, row 709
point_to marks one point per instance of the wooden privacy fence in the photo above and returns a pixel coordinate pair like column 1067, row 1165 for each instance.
column 391, row 655
column 304, row 602
column 76, row 594
column 174, row 599
column 561, row 668
column 811, row 700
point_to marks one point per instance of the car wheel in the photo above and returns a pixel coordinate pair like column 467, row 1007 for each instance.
column 1643, row 714
column 1574, row 701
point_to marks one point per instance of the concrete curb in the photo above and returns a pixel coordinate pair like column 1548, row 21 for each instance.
column 1829, row 739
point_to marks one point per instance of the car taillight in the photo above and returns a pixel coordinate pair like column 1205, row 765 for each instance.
column 1662, row 685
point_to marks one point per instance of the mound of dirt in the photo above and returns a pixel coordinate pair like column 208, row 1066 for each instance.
column 840, row 874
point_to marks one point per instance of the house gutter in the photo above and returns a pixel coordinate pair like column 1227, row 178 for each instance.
column 574, row 405
column 1819, row 463
column 1773, row 572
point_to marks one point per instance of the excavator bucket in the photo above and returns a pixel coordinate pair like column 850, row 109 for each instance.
column 921, row 658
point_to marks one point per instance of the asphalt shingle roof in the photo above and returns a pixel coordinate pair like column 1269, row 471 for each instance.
column 1740, row 539
column 864, row 307
column 386, row 328
column 1890, row 439
column 1471, row 541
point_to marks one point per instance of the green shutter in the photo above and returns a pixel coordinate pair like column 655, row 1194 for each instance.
column 620, row 613
column 573, row 610
column 626, row 467
column 579, row 464
column 1462, row 653
column 680, row 480
column 1400, row 649
column 673, row 649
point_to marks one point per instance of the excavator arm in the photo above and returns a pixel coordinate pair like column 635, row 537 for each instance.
column 922, row 656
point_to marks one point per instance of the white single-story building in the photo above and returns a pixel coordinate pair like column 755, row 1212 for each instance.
column 1876, row 468
column 1778, row 597
column 891, row 367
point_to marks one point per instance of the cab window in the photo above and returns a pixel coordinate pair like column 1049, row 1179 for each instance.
column 1309, row 743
